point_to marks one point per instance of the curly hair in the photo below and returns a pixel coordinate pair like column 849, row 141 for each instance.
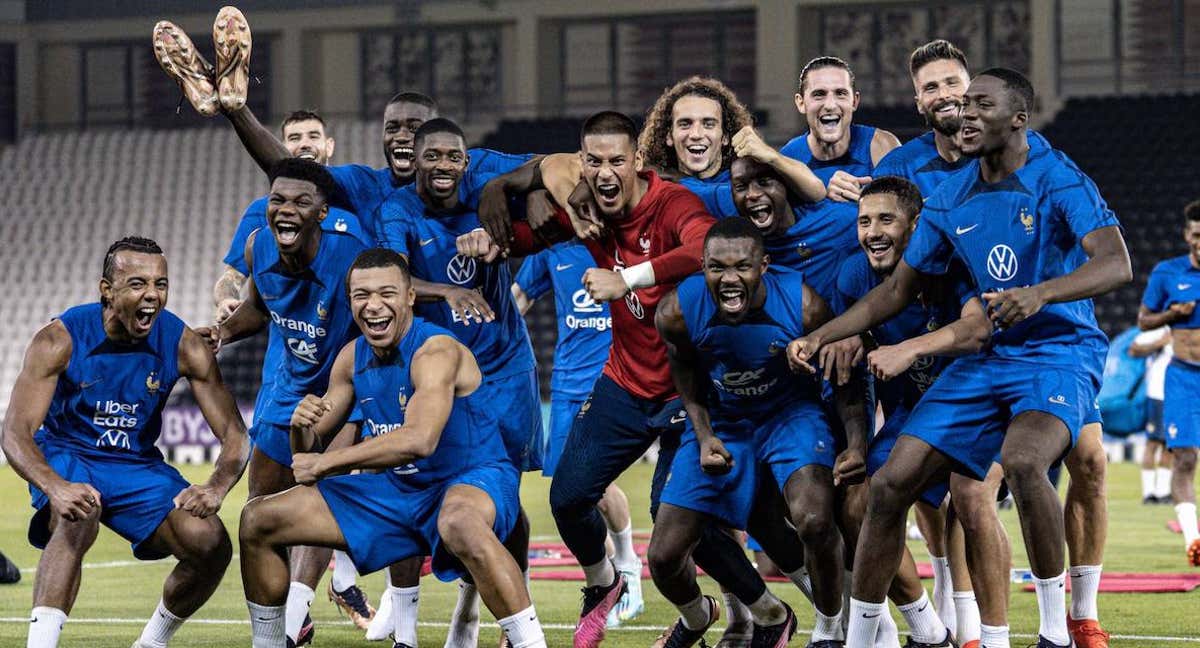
column 653, row 140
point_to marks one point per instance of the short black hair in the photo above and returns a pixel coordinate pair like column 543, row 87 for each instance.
column 908, row 196
column 935, row 50
column 736, row 228
column 307, row 170
column 1020, row 90
column 436, row 125
column 609, row 122
column 1192, row 211
column 378, row 258
column 299, row 116
column 825, row 62
column 414, row 98
column 130, row 244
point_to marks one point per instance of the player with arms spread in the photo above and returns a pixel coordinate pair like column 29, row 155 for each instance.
column 85, row 414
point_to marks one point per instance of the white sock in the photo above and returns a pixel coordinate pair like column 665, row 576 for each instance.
column 943, row 590
column 966, row 608
column 1052, row 608
column 623, row 552
column 993, row 636
column 1085, row 583
column 523, row 629
column 160, row 628
column 464, row 625
column 601, row 573
column 923, row 621
column 299, row 600
column 1185, row 512
column 1148, row 485
column 827, row 628
column 801, row 580
column 266, row 625
column 45, row 624
column 1162, row 481
column 847, row 580
column 768, row 610
column 736, row 610
column 344, row 573
column 385, row 621
column 888, row 635
column 405, row 601
column 864, row 623
column 695, row 614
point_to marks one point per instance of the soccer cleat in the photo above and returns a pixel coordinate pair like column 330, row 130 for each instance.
column 231, row 36
column 597, row 601
column 1150, row 499
column 826, row 643
column 974, row 643
column 305, row 636
column 1193, row 553
column 9, row 572
column 737, row 635
column 631, row 605
column 401, row 645
column 354, row 604
column 679, row 636
column 946, row 643
column 778, row 635
column 1087, row 633
column 1046, row 643
column 179, row 59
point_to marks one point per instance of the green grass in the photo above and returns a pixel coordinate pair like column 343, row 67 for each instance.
column 1137, row 541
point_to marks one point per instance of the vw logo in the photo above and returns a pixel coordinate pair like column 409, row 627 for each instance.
column 1002, row 263
column 635, row 306
column 461, row 269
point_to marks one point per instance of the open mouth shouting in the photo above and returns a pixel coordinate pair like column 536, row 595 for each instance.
column 732, row 298
column 829, row 124
column 143, row 319
column 287, row 233
column 378, row 327
column 762, row 215
column 879, row 248
column 697, row 156
column 608, row 195
column 402, row 158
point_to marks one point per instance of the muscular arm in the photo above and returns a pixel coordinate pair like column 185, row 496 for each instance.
column 849, row 401
column 882, row 144
column 45, row 359
column 315, row 419
column 1148, row 320
column 881, row 304
column 440, row 370
column 251, row 316
column 963, row 336
column 260, row 142
column 682, row 356
column 227, row 292
column 219, row 408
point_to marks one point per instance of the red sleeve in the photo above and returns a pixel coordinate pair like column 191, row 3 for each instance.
column 526, row 241
column 686, row 221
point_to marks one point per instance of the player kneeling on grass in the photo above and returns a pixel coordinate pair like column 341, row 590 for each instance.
column 450, row 492
column 93, row 387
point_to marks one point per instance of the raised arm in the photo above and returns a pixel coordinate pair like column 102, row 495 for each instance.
column 197, row 364
column 248, row 318
column 316, row 418
column 965, row 335
column 227, row 293
column 799, row 179
column 260, row 142
column 45, row 359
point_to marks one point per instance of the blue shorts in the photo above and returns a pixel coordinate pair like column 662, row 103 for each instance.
column 515, row 408
column 385, row 521
column 966, row 412
column 563, row 409
column 1181, row 407
column 881, row 446
column 792, row 440
column 135, row 496
column 1154, row 421
column 273, row 440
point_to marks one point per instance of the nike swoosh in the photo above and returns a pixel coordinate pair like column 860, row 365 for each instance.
column 963, row 230
column 1184, row 286
column 425, row 242
column 871, row 616
column 923, row 607
column 562, row 267
column 678, row 419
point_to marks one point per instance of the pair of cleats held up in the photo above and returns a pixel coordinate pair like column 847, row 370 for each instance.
column 209, row 89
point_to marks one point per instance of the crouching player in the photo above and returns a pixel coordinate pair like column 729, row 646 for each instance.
column 451, row 492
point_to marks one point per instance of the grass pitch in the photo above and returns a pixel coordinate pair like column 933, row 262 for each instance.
column 118, row 594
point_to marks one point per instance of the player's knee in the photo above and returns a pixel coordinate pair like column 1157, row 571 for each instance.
column 663, row 558
column 462, row 531
column 1184, row 461
column 813, row 524
column 258, row 522
column 566, row 499
column 77, row 534
column 1088, row 464
column 886, row 495
column 1021, row 468
column 208, row 544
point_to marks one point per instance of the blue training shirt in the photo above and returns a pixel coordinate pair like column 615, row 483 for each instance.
column 714, row 192
column 382, row 388
column 108, row 403
column 1021, row 231
column 428, row 238
column 1174, row 281
column 746, row 363
column 927, row 313
column 255, row 217
column 918, row 160
column 584, row 327
column 363, row 190
column 310, row 320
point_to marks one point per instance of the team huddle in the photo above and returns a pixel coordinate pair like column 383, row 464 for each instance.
column 752, row 310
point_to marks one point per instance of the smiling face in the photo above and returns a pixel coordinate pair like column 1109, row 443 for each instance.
column 381, row 301
column 940, row 86
column 828, row 102
column 137, row 291
column 697, row 135
column 733, row 270
column 760, row 196
column 609, row 168
column 306, row 140
column 400, row 123
column 1191, row 236
column 883, row 230
column 441, row 163
column 295, row 209
column 990, row 117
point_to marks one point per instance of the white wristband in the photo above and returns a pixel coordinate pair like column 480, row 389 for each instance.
column 639, row 276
